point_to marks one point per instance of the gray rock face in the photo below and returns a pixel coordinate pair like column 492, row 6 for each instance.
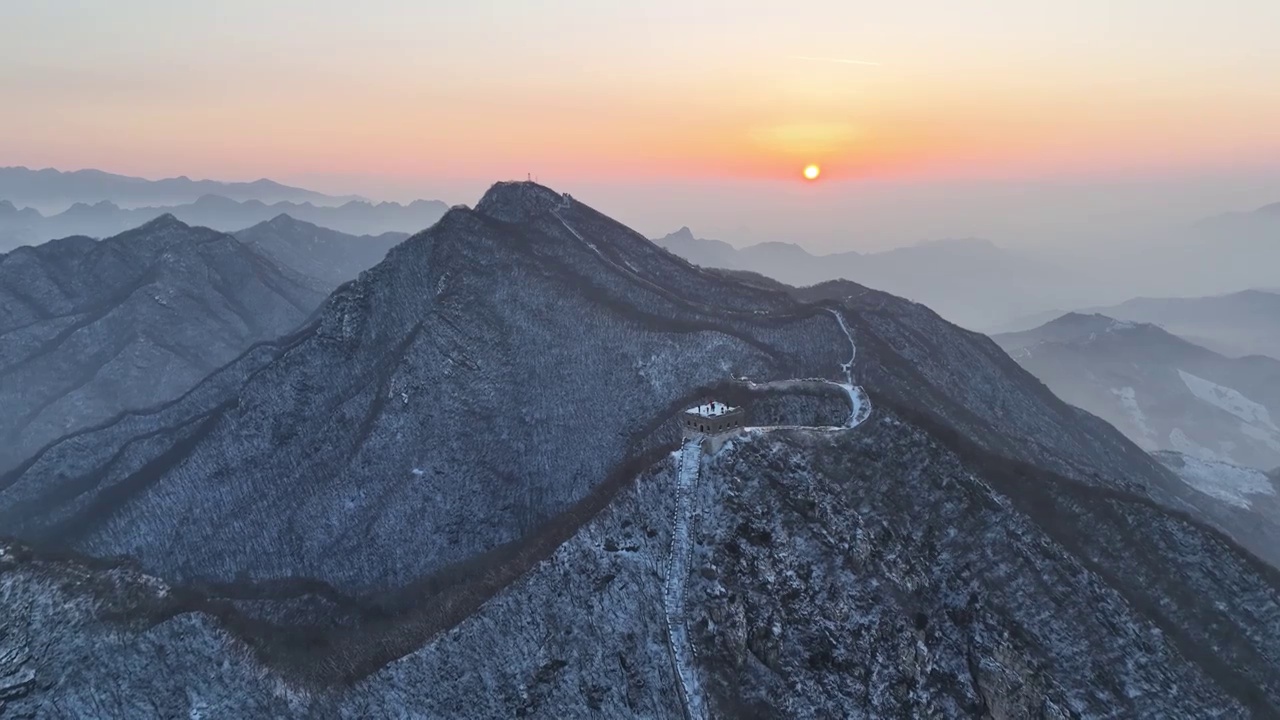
column 1162, row 391
column 452, row 494
column 316, row 252
column 89, row 330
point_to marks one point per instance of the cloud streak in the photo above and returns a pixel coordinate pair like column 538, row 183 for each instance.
column 841, row 61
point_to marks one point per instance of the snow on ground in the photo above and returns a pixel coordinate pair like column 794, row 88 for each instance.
column 711, row 409
column 1227, row 399
column 1129, row 401
column 860, row 404
column 682, row 651
column 1229, row 483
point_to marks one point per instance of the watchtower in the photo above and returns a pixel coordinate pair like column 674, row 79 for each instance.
column 711, row 417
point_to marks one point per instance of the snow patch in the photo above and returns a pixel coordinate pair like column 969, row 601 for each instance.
column 1225, row 398
column 1229, row 483
column 1129, row 401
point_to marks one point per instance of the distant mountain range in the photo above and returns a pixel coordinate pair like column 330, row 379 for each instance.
column 1238, row 324
column 1164, row 392
column 90, row 329
column 325, row 255
column 971, row 282
column 52, row 190
column 992, row 289
column 1235, row 324
column 102, row 219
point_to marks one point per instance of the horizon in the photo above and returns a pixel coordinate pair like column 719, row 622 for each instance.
column 1009, row 124
column 679, row 209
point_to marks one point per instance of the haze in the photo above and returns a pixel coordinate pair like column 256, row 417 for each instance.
column 1019, row 122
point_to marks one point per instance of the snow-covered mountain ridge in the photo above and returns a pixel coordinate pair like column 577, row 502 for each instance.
column 453, row 493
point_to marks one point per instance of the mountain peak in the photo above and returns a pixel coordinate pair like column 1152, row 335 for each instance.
column 1095, row 322
column 164, row 222
column 285, row 220
column 513, row 201
column 684, row 233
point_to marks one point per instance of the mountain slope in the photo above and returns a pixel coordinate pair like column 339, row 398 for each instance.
column 474, row 324
column 51, row 189
column 1241, row 501
column 893, row 570
column 454, row 493
column 1239, row 324
column 91, row 329
column 561, row 341
column 310, row 250
column 970, row 282
column 1161, row 391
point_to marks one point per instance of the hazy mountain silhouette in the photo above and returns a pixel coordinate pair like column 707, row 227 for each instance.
column 1238, row 324
column 1235, row 324
column 971, row 282
column 104, row 218
column 1164, row 392
column 316, row 252
column 90, row 329
column 52, row 190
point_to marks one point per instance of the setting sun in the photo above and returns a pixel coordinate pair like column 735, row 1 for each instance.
column 811, row 172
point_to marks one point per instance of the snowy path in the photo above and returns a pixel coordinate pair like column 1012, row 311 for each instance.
column 859, row 403
column 564, row 205
column 682, row 652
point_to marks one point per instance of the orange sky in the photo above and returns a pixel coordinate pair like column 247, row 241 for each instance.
column 425, row 94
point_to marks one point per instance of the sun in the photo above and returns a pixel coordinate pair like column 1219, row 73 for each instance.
column 811, row 172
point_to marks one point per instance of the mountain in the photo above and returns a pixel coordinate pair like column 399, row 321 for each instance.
column 1163, row 392
column 90, row 329
column 1238, row 324
column 315, row 252
column 460, row 490
column 1218, row 255
column 54, row 190
column 105, row 218
column 971, row 282
column 1242, row 501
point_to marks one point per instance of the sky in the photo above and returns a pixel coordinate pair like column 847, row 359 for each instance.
column 1004, row 118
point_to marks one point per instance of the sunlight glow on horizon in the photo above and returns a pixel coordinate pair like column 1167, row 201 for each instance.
column 284, row 88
